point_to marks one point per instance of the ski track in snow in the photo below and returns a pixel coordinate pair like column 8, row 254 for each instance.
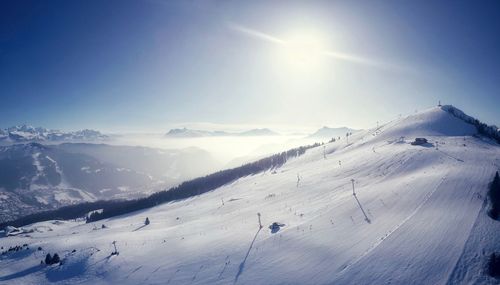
column 382, row 239
column 39, row 168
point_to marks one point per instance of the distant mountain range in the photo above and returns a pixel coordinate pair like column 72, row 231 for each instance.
column 36, row 177
column 189, row 133
column 326, row 132
column 25, row 133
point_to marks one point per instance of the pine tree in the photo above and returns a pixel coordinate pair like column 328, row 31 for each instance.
column 146, row 222
column 494, row 265
column 496, row 181
column 55, row 259
column 495, row 197
column 48, row 259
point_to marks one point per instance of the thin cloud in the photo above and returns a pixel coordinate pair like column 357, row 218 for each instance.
column 256, row 34
column 328, row 53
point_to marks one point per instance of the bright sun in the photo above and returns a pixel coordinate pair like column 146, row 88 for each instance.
column 304, row 51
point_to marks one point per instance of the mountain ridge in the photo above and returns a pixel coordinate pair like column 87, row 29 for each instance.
column 26, row 133
column 191, row 133
column 327, row 132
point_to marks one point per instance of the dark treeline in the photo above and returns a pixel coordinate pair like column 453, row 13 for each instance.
column 482, row 128
column 63, row 213
column 486, row 130
column 494, row 195
column 185, row 190
column 200, row 185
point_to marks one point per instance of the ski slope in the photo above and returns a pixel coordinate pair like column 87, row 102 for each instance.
column 425, row 221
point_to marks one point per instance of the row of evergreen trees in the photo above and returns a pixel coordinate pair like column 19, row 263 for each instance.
column 488, row 131
column 199, row 185
column 185, row 190
column 63, row 213
column 482, row 128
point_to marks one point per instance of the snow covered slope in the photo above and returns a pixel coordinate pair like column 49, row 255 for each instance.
column 417, row 218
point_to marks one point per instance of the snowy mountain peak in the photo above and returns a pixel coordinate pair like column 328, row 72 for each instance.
column 185, row 132
column 26, row 133
column 444, row 120
column 436, row 121
column 327, row 132
column 258, row 132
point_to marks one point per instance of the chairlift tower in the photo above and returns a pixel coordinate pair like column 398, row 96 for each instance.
column 260, row 224
column 353, row 192
column 116, row 250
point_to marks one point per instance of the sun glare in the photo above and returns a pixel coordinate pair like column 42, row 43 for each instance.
column 304, row 51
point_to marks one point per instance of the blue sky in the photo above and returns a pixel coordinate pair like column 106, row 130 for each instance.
column 150, row 65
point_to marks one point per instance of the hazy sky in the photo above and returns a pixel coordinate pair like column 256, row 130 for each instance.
column 149, row 65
